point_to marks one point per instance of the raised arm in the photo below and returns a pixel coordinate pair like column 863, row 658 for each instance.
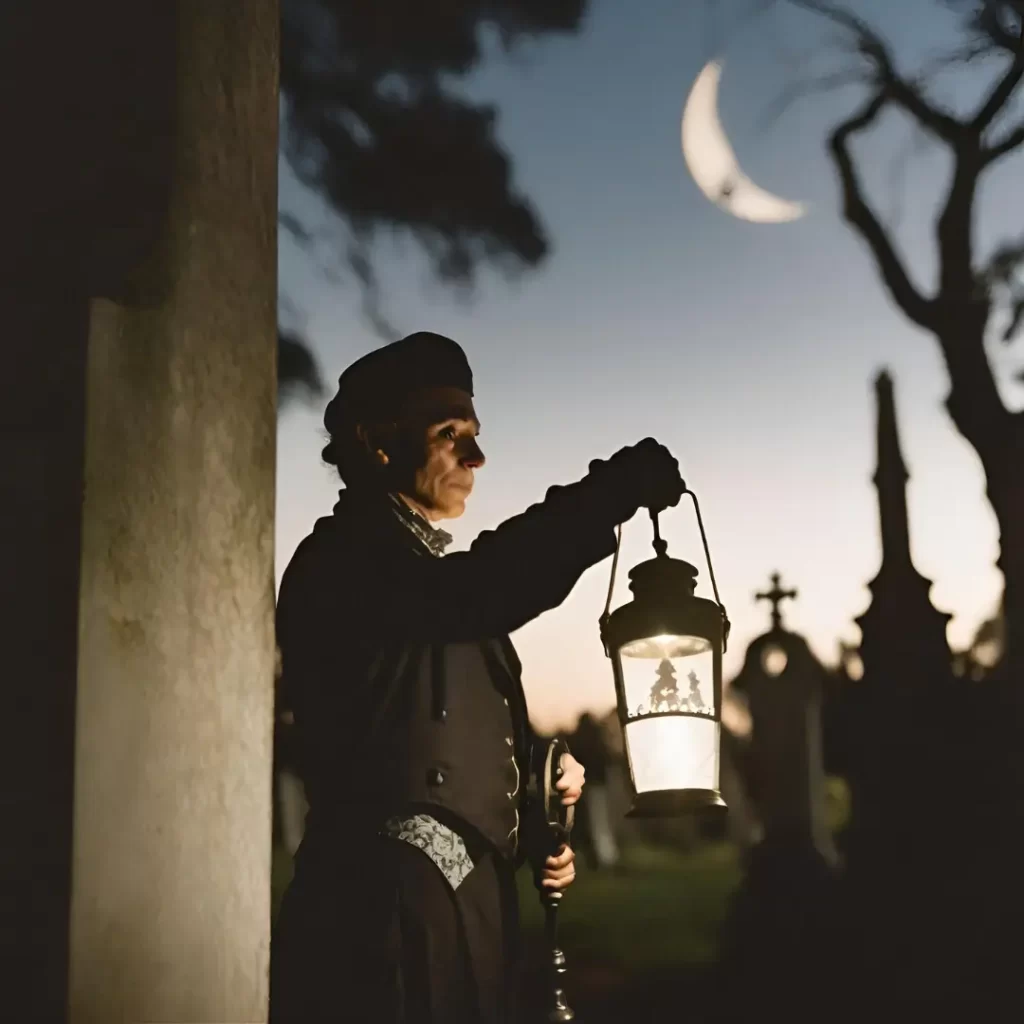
column 531, row 562
column 352, row 586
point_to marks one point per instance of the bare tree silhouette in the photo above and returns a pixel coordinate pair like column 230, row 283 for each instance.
column 370, row 123
column 973, row 293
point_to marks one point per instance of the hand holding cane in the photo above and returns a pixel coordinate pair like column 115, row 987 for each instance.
column 559, row 821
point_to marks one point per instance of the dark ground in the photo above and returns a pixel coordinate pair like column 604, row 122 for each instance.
column 639, row 942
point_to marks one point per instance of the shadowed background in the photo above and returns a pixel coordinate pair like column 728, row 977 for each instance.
column 747, row 349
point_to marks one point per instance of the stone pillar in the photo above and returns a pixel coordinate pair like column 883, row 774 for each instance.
column 170, row 905
column 140, row 612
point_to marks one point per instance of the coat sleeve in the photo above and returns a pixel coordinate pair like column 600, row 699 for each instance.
column 510, row 575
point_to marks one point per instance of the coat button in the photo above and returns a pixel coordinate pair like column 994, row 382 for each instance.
column 435, row 777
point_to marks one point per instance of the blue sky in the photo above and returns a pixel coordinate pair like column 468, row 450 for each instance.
column 749, row 350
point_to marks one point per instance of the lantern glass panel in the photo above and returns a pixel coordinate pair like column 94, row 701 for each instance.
column 672, row 679
column 673, row 752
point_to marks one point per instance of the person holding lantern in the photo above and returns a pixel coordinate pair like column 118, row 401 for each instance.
column 410, row 720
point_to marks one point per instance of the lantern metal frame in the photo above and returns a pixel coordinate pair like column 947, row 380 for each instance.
column 665, row 604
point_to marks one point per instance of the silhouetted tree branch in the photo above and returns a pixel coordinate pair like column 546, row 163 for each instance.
column 995, row 24
column 297, row 370
column 969, row 292
column 1003, row 272
column 815, row 86
column 904, row 93
column 999, row 96
column 371, row 124
column 1013, row 139
column 860, row 215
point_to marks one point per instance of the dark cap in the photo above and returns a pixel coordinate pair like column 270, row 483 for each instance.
column 378, row 385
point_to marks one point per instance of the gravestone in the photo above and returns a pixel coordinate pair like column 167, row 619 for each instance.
column 783, row 762
column 778, row 940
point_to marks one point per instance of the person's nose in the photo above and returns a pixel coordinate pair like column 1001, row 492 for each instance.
column 472, row 457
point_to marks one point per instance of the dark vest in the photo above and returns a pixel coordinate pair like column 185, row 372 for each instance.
column 454, row 741
column 439, row 728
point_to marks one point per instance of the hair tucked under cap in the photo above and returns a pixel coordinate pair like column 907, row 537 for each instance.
column 377, row 386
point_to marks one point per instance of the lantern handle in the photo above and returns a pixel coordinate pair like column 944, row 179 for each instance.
column 726, row 625
column 606, row 614
column 661, row 548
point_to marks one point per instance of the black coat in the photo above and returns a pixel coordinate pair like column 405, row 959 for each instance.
column 406, row 693
column 398, row 668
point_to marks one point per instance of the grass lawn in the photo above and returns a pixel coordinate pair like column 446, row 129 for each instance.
column 631, row 938
column 664, row 910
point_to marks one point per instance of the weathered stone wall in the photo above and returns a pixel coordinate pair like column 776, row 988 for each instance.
column 170, row 905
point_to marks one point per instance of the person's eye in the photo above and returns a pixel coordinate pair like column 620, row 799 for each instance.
column 447, row 433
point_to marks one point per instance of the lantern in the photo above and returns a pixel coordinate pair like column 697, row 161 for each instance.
column 666, row 649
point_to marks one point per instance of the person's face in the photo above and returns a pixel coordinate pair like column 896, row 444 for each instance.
column 440, row 432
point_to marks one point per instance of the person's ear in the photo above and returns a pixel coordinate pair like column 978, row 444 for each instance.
column 376, row 440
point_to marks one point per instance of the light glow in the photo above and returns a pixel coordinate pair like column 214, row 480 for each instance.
column 665, row 646
column 774, row 660
column 673, row 752
column 658, row 683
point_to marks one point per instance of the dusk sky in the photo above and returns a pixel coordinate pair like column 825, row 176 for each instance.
column 749, row 350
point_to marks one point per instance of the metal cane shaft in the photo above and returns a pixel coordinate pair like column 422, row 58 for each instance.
column 559, row 821
column 560, row 1010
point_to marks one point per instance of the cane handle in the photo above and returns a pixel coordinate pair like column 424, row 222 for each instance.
column 559, row 817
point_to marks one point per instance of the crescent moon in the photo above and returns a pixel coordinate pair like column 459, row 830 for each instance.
column 713, row 164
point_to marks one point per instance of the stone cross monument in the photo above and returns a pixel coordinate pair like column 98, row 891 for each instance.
column 784, row 772
column 776, row 595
